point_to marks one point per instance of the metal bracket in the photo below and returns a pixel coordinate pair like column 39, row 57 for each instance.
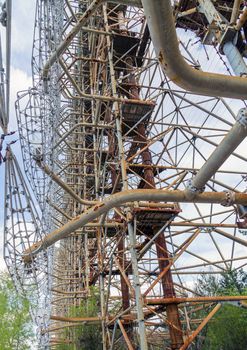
column 193, row 189
column 229, row 200
column 242, row 117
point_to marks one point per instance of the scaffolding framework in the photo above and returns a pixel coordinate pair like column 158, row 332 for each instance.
column 111, row 218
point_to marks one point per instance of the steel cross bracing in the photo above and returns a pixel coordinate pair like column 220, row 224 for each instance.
column 103, row 119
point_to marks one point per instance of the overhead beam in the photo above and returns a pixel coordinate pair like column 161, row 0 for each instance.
column 117, row 200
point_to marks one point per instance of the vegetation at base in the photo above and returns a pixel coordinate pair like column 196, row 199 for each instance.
column 15, row 322
column 228, row 328
column 85, row 336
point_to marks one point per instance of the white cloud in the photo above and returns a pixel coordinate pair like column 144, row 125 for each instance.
column 22, row 26
column 19, row 80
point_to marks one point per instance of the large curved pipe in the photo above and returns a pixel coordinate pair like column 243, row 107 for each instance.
column 118, row 199
column 160, row 20
column 227, row 146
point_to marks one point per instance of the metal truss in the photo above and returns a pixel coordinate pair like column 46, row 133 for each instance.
column 104, row 122
column 23, row 228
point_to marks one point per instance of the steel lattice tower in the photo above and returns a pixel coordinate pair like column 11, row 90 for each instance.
column 135, row 186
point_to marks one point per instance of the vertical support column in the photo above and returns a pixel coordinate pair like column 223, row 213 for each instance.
column 103, row 309
column 175, row 328
column 87, row 263
column 137, row 287
column 139, row 302
column 124, row 286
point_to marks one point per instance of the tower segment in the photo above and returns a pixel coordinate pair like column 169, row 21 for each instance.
column 112, row 148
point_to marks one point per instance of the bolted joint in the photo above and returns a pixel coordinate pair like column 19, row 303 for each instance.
column 242, row 117
column 193, row 189
column 229, row 199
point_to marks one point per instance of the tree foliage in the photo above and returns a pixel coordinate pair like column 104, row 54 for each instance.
column 15, row 323
column 86, row 336
column 89, row 335
column 228, row 328
column 229, row 283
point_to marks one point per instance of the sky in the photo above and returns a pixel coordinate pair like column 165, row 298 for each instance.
column 23, row 13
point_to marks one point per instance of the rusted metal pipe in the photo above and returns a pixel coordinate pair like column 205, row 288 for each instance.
column 88, row 96
column 136, row 3
column 159, row 301
column 125, row 335
column 160, row 20
column 235, row 11
column 189, row 340
column 76, row 319
column 187, row 12
column 121, row 198
column 63, row 185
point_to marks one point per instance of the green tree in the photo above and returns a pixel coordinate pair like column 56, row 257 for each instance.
column 228, row 328
column 229, row 283
column 15, row 322
column 89, row 336
column 86, row 336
